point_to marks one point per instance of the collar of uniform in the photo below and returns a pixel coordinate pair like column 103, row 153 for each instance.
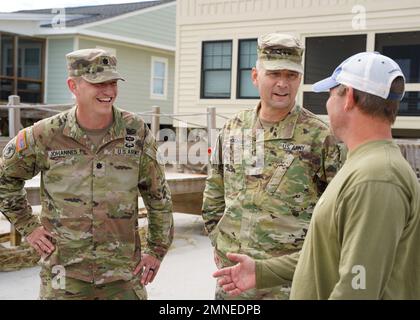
column 284, row 129
column 73, row 130
column 117, row 129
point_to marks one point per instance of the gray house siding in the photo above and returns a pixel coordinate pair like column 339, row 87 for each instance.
column 144, row 27
column 56, row 87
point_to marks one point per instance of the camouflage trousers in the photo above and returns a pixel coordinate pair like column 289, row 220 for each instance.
column 74, row 289
column 275, row 293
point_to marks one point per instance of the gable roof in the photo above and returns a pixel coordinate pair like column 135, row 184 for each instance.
column 76, row 16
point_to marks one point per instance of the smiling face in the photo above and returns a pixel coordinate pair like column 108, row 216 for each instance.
column 277, row 88
column 97, row 98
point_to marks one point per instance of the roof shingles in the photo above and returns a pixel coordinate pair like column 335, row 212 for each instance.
column 89, row 14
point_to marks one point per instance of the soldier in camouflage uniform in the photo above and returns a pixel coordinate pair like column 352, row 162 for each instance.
column 93, row 161
column 260, row 202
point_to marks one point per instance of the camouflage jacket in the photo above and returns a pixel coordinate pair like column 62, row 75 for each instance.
column 89, row 196
column 263, row 210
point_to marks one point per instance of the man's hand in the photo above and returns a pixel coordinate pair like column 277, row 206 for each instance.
column 39, row 240
column 238, row 278
column 149, row 265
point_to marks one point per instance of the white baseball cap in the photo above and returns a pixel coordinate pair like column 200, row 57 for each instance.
column 369, row 72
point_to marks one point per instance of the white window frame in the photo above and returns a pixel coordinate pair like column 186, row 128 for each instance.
column 153, row 95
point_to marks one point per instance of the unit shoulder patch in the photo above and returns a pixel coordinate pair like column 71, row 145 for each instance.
column 21, row 141
column 10, row 149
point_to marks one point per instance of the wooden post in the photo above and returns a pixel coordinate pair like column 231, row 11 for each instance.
column 15, row 237
column 155, row 125
column 211, row 124
column 14, row 127
column 14, row 116
column 182, row 146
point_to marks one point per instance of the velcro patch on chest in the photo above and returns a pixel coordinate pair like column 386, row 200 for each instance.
column 63, row 153
column 126, row 152
column 295, row 147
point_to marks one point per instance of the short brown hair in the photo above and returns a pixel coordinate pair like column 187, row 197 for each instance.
column 376, row 106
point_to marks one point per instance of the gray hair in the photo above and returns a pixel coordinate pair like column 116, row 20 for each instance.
column 258, row 65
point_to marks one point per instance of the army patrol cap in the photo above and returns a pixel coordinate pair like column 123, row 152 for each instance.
column 93, row 65
column 277, row 51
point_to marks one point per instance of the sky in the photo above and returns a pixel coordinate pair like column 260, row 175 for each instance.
column 15, row 5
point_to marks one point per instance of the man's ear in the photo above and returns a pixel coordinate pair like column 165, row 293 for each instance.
column 350, row 103
column 72, row 84
column 254, row 77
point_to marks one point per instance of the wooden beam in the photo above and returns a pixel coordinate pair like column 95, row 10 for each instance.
column 4, row 237
column 15, row 237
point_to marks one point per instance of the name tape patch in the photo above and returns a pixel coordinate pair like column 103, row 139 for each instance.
column 295, row 147
column 53, row 154
column 126, row 151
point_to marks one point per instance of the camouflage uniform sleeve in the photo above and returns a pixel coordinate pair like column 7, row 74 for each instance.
column 330, row 162
column 157, row 198
column 17, row 164
column 214, row 193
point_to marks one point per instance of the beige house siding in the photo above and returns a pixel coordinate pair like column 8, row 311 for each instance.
column 205, row 20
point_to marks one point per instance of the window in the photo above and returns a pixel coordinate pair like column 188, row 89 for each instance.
column 7, row 82
column 22, row 76
column 404, row 48
column 7, row 47
column 159, row 78
column 410, row 105
column 216, row 69
column 247, row 59
column 323, row 55
column 316, row 102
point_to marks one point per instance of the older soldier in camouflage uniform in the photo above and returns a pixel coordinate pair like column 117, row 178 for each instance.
column 262, row 208
column 93, row 160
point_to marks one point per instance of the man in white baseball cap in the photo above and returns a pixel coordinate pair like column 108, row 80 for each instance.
column 367, row 222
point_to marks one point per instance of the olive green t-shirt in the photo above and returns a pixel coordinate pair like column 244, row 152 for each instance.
column 363, row 238
column 364, row 235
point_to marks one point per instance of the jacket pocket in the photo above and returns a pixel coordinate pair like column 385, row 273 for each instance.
column 280, row 171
